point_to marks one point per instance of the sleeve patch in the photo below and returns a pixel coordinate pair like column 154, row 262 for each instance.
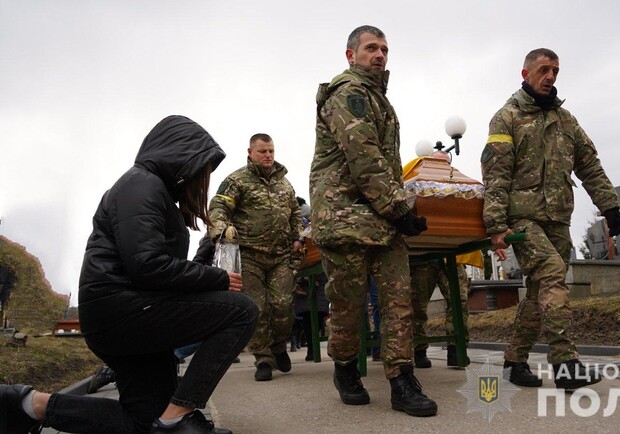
column 223, row 187
column 357, row 105
column 487, row 154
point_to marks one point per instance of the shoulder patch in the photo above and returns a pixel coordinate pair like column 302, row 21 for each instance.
column 223, row 187
column 487, row 154
column 357, row 105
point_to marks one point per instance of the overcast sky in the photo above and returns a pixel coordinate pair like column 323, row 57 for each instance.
column 82, row 82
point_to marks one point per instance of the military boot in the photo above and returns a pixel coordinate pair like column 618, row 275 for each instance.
column 521, row 375
column 407, row 394
column 451, row 357
column 283, row 361
column 572, row 375
column 263, row 372
column 349, row 386
column 420, row 359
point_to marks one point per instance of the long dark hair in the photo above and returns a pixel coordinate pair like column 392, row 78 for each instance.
column 193, row 201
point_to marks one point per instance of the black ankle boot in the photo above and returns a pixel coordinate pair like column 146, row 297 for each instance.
column 283, row 361
column 263, row 372
column 192, row 423
column 572, row 375
column 293, row 343
column 13, row 418
column 451, row 357
column 521, row 375
column 420, row 359
column 407, row 394
column 349, row 386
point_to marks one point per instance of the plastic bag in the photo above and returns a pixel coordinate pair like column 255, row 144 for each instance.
column 227, row 253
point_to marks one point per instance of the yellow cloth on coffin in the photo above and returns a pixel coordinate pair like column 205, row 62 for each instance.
column 474, row 259
column 408, row 168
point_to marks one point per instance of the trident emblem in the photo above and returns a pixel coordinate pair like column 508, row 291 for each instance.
column 487, row 388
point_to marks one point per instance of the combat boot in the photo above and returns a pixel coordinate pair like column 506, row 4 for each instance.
column 407, row 394
column 349, row 386
column 521, row 375
column 263, row 372
column 451, row 357
column 283, row 361
column 572, row 375
column 420, row 359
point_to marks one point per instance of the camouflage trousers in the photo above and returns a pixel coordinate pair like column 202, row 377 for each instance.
column 543, row 257
column 424, row 277
column 268, row 280
column 347, row 271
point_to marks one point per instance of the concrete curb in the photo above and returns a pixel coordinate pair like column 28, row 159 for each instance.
column 587, row 350
column 79, row 388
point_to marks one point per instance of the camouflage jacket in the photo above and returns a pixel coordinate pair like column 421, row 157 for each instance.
column 262, row 208
column 356, row 186
column 528, row 161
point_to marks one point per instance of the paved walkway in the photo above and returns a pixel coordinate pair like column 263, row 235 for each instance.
column 305, row 401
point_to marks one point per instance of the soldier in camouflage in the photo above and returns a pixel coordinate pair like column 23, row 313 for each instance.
column 534, row 145
column 424, row 277
column 260, row 203
column 358, row 214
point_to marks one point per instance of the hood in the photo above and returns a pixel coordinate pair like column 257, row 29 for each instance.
column 177, row 149
column 377, row 78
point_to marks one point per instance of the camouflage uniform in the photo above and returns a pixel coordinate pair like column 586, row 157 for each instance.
column 356, row 192
column 424, row 277
column 526, row 168
column 263, row 208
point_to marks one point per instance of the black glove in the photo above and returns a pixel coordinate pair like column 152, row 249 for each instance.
column 410, row 224
column 613, row 221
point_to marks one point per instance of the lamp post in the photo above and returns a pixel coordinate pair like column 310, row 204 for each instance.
column 455, row 128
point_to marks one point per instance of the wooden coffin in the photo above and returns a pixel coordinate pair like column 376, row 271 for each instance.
column 450, row 201
column 312, row 254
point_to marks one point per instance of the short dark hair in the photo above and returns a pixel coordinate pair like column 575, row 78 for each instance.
column 260, row 136
column 533, row 56
column 354, row 38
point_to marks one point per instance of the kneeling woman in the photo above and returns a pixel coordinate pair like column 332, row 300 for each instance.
column 140, row 298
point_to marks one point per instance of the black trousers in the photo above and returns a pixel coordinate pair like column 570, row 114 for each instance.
column 141, row 353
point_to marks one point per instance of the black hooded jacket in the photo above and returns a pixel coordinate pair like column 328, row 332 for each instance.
column 137, row 252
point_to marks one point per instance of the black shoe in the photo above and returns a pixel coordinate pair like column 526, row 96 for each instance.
column 451, row 359
column 521, row 375
column 572, row 375
column 349, row 386
column 283, row 361
column 407, row 394
column 309, row 357
column 237, row 360
column 13, row 418
column 103, row 375
column 192, row 423
column 420, row 359
column 263, row 372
